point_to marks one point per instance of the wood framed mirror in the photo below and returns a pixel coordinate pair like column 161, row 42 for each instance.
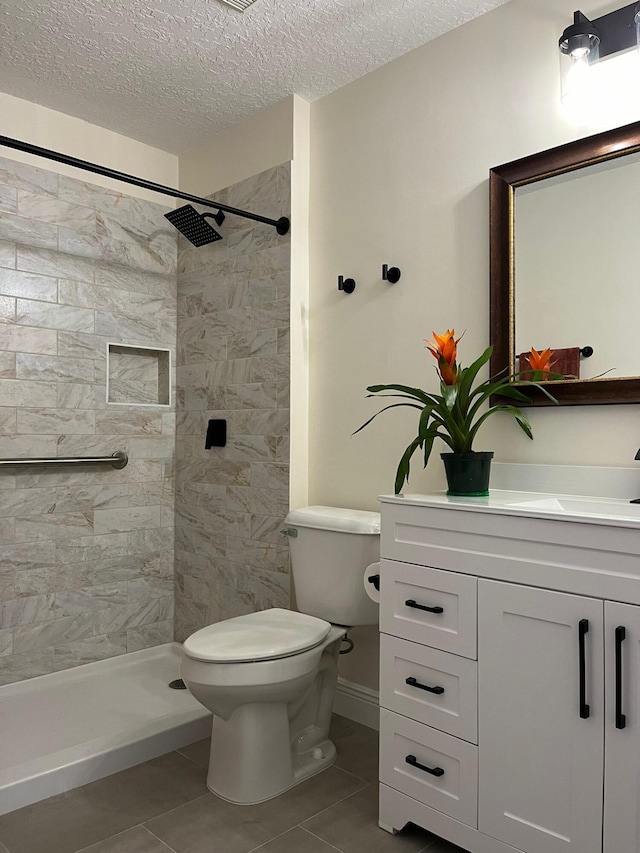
column 564, row 252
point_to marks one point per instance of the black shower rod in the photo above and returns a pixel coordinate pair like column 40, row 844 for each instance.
column 281, row 225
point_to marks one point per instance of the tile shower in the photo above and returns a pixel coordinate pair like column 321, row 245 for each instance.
column 97, row 562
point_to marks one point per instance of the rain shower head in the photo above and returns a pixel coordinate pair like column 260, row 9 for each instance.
column 194, row 226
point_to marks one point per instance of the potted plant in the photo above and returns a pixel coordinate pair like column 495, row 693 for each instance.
column 456, row 414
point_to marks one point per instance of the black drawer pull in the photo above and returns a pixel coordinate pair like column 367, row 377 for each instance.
column 411, row 681
column 410, row 602
column 583, row 630
column 413, row 761
column 621, row 719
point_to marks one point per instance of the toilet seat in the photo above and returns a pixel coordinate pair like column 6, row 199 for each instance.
column 262, row 636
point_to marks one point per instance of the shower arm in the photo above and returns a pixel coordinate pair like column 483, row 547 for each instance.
column 281, row 225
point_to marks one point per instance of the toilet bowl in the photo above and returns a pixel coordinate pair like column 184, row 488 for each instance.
column 270, row 677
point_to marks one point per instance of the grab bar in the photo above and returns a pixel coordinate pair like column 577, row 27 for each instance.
column 119, row 459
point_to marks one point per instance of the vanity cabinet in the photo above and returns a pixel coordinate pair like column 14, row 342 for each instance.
column 510, row 701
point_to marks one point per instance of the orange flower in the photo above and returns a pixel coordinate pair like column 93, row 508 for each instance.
column 444, row 348
column 541, row 360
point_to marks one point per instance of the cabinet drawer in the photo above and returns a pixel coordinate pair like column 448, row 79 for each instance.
column 433, row 687
column 429, row 606
column 409, row 750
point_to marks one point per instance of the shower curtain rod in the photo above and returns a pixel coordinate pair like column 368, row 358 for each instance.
column 281, row 225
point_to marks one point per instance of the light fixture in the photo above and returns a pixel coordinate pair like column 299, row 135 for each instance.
column 584, row 45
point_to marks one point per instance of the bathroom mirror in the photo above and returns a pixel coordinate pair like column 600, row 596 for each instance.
column 565, row 227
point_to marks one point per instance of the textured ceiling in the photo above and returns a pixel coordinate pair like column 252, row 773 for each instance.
column 172, row 73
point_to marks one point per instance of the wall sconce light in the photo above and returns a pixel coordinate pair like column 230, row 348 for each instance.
column 585, row 43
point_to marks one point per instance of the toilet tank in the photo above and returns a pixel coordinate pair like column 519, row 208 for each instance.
column 330, row 549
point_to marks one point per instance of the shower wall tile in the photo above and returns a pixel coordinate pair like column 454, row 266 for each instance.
column 7, row 254
column 233, row 363
column 86, row 553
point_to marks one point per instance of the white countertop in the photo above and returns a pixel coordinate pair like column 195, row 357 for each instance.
column 575, row 508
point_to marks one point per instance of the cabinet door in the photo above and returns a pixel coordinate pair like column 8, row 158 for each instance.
column 540, row 761
column 622, row 733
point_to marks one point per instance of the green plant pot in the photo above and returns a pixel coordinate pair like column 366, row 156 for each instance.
column 468, row 473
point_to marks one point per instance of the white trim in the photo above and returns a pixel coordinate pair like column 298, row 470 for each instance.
column 357, row 703
column 156, row 349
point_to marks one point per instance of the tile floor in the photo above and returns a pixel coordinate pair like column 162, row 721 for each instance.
column 163, row 806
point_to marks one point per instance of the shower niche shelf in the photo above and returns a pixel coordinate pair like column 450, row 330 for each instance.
column 138, row 375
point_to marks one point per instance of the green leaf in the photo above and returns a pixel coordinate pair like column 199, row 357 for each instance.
column 450, row 394
column 523, row 423
column 392, row 406
column 416, row 393
column 402, row 474
column 470, row 373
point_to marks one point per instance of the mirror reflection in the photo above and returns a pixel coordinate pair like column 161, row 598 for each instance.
column 576, row 254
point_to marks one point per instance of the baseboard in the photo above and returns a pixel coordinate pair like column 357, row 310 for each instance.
column 357, row 703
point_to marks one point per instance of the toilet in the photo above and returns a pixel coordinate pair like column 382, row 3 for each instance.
column 270, row 677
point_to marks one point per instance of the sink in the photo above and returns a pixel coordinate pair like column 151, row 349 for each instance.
column 574, row 506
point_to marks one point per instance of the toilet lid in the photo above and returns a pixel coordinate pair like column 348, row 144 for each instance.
column 259, row 636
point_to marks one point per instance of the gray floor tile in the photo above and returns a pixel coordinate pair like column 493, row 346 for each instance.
column 352, row 827
column 339, row 724
column 211, row 825
column 296, row 841
column 198, row 752
column 136, row 840
column 357, row 748
column 69, row 822
column 442, row 846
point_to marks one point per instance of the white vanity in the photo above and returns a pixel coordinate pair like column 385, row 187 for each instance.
column 510, row 671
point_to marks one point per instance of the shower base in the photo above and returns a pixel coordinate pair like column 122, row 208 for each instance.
column 60, row 731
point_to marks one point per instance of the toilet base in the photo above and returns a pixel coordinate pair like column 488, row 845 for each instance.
column 305, row 766
column 251, row 758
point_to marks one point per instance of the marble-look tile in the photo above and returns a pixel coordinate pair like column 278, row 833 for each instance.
column 35, row 582
column 7, row 365
column 124, row 520
column 7, row 584
column 7, row 254
column 129, row 422
column 55, row 211
column 90, row 548
column 26, row 502
column 273, row 368
column 54, row 526
column 250, row 344
column 151, row 448
column 23, row 339
column 6, row 638
column 8, row 199
column 153, row 634
column 81, row 345
column 92, row 296
column 7, row 309
column 29, row 557
column 24, row 176
column 46, row 635
column 258, row 501
column 8, row 420
column 133, row 615
column 56, row 264
column 73, row 395
column 72, row 602
column 49, row 369
column 36, row 421
column 67, row 318
column 88, row 650
column 29, row 231
column 25, row 611
column 24, row 447
column 17, row 667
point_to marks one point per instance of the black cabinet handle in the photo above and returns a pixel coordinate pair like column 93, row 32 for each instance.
column 413, row 761
column 375, row 580
column 621, row 720
column 410, row 602
column 583, row 630
column 411, row 681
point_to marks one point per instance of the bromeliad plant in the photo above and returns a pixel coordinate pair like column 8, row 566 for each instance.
column 455, row 414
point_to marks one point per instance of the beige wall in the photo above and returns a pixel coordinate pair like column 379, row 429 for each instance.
column 400, row 163
column 51, row 129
